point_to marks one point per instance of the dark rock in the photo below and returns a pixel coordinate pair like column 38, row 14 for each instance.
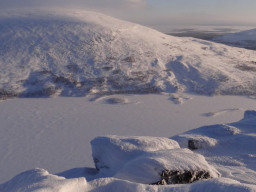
column 181, row 177
column 193, row 144
column 5, row 94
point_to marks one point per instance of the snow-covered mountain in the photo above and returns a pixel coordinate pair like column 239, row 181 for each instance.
column 244, row 39
column 77, row 53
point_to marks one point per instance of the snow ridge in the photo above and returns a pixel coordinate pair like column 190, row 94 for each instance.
column 79, row 53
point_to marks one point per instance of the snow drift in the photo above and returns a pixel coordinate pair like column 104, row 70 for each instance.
column 78, row 53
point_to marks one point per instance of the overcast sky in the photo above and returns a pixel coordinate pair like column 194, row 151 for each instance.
column 159, row 12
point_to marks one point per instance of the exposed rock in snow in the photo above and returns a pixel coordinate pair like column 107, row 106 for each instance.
column 145, row 159
column 174, row 166
column 193, row 141
column 230, row 149
column 80, row 53
column 39, row 180
column 233, row 157
column 182, row 177
column 74, row 53
column 110, row 153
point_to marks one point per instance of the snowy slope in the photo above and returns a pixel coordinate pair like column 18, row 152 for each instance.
column 244, row 39
column 233, row 155
column 74, row 53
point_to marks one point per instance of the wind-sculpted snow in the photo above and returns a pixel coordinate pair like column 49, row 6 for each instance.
column 41, row 180
column 80, row 53
column 112, row 152
column 233, row 152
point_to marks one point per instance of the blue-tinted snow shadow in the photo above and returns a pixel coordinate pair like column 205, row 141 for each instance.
column 87, row 172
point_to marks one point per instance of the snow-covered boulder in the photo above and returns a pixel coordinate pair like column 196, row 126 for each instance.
column 149, row 160
column 39, row 180
column 194, row 141
column 207, row 136
column 110, row 153
column 174, row 166
column 228, row 147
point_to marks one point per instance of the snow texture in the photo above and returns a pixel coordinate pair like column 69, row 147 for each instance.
column 233, row 157
column 41, row 181
column 112, row 152
column 234, row 147
column 148, row 168
column 76, row 53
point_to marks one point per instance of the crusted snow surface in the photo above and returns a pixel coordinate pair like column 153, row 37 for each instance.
column 41, row 181
column 233, row 156
column 110, row 153
column 234, row 152
column 148, row 168
column 75, row 53
column 245, row 39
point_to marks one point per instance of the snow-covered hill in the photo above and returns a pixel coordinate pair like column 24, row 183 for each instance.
column 74, row 53
column 244, row 39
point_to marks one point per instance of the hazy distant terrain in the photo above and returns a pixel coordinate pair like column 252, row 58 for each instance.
column 200, row 33
column 245, row 39
column 220, row 35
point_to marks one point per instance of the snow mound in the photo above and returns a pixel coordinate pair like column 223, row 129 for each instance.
column 207, row 136
column 193, row 141
column 175, row 166
column 75, row 53
column 147, row 159
column 40, row 180
column 244, row 39
column 233, row 147
column 110, row 153
column 52, row 183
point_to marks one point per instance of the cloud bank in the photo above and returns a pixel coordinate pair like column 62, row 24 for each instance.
column 160, row 14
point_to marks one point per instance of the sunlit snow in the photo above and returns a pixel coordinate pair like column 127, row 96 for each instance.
column 135, row 109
